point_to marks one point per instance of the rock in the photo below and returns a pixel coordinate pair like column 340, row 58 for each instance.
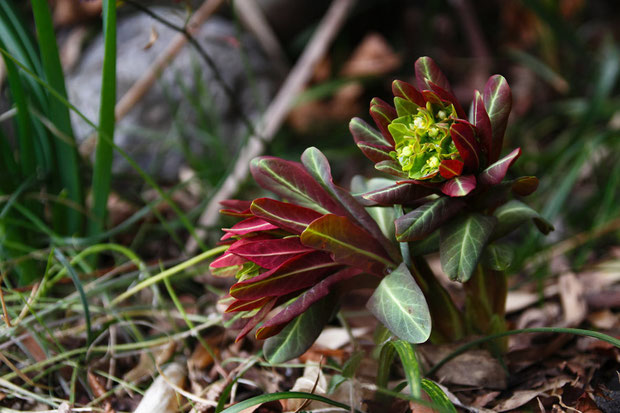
column 185, row 116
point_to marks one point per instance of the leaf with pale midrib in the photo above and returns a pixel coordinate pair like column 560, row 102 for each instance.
column 461, row 245
column 299, row 335
column 400, row 305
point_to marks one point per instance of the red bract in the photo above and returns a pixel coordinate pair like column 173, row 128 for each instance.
column 426, row 140
column 282, row 252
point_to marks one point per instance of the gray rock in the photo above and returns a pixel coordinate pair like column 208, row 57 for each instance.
column 185, row 118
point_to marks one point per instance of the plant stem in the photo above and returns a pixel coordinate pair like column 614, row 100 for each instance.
column 446, row 317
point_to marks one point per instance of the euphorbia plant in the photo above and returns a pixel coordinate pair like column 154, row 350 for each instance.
column 319, row 241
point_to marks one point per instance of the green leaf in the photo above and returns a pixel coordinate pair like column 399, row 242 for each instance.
column 497, row 256
column 410, row 365
column 352, row 364
column 428, row 245
column 513, row 214
column 409, row 361
column 400, row 305
column 102, row 170
column 437, row 396
column 461, row 244
column 68, row 220
column 298, row 336
column 422, row 221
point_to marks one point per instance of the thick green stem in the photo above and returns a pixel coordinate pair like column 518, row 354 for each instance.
column 485, row 303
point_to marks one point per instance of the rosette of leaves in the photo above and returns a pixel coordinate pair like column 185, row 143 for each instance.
column 449, row 169
column 303, row 253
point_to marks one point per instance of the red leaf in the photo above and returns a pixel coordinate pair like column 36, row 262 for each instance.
column 464, row 139
column 482, row 123
column 494, row 174
column 449, row 168
column 406, row 91
column 404, row 194
column 270, row 254
column 448, row 97
column 295, row 274
column 305, row 300
column 498, row 102
column 291, row 181
column 348, row 243
column 459, row 186
column 246, row 305
column 383, row 114
column 247, row 226
column 260, row 316
column 426, row 71
column 290, row 217
column 227, row 260
column 236, row 205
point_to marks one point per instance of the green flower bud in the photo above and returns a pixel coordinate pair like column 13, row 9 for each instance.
column 422, row 139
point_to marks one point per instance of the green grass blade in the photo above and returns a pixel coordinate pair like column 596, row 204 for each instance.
column 559, row 330
column 438, row 397
column 27, row 156
column 104, row 151
column 182, row 217
column 264, row 398
column 67, row 221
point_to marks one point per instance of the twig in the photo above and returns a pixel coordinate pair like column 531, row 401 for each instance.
column 142, row 86
column 7, row 319
column 276, row 112
column 253, row 18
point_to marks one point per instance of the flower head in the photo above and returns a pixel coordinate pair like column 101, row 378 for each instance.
column 428, row 142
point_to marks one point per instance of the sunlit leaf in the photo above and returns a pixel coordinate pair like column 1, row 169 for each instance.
column 400, row 305
column 348, row 243
column 291, row 181
column 269, row 254
column 462, row 243
column 291, row 217
column 318, row 166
